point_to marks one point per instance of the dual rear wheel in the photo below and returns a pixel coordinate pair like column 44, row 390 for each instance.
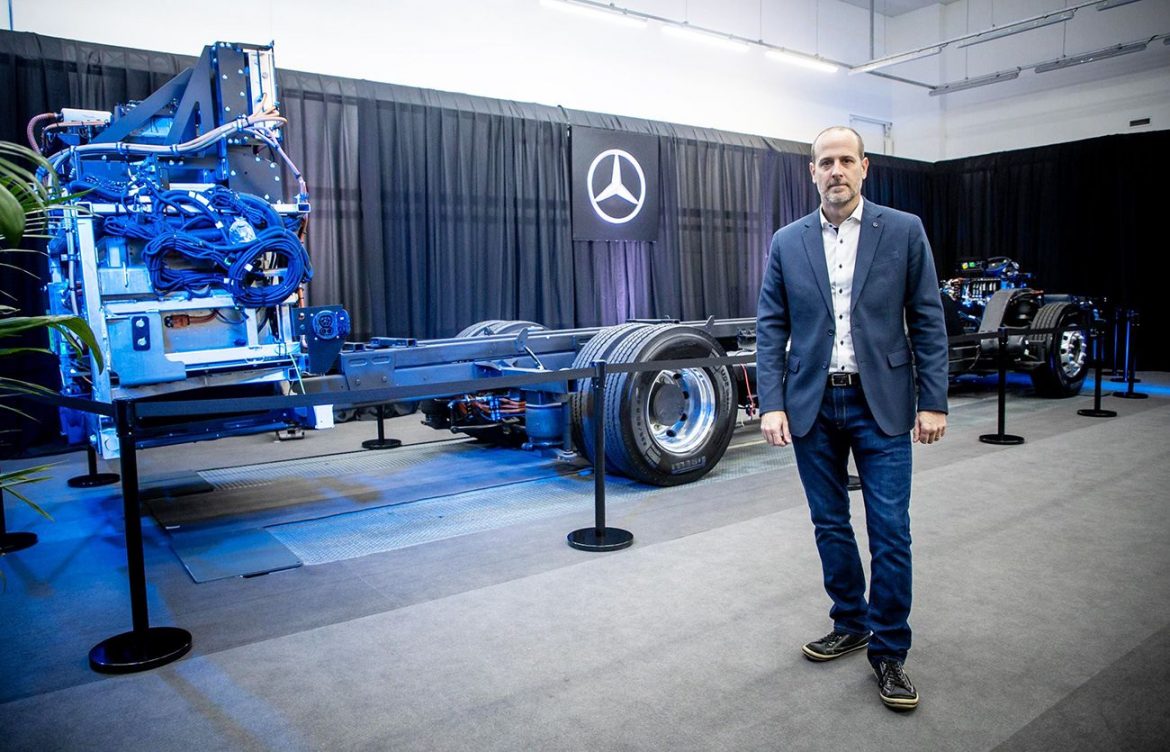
column 665, row 427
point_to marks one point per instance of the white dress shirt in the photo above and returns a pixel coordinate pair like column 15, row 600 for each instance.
column 841, row 257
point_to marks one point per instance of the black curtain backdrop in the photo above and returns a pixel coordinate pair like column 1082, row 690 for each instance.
column 434, row 210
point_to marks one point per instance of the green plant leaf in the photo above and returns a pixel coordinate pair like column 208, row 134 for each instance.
column 6, row 351
column 73, row 328
column 9, row 480
column 11, row 218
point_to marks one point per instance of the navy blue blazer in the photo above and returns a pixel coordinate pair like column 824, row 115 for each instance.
column 899, row 336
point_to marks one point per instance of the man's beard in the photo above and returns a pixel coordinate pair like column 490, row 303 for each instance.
column 839, row 198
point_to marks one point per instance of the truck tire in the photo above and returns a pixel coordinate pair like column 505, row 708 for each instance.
column 497, row 326
column 1064, row 354
column 581, row 400
column 671, row 427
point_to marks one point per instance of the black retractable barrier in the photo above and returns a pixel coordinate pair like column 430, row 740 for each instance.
column 999, row 437
column 1122, row 376
column 1097, row 348
column 1131, row 321
column 144, row 647
column 1115, row 323
column 599, row 537
column 9, row 541
column 381, row 442
column 93, row 478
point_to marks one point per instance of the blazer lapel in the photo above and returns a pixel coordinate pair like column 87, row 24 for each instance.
column 814, row 248
column 867, row 244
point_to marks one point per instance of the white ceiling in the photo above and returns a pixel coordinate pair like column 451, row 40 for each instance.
column 892, row 8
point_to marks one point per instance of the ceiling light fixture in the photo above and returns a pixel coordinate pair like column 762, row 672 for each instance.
column 902, row 57
column 694, row 34
column 1091, row 57
column 804, row 61
column 1018, row 28
column 971, row 83
column 608, row 11
column 597, row 11
column 1114, row 4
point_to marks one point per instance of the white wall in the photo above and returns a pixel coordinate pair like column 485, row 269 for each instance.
column 1076, row 103
column 520, row 50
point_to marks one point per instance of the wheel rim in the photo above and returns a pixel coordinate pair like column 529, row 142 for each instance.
column 680, row 409
column 1072, row 352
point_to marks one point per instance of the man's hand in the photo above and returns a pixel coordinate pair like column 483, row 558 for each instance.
column 774, row 426
column 930, row 426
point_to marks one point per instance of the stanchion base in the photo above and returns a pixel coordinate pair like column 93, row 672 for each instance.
column 92, row 481
column 854, row 483
column 381, row 443
column 1005, row 439
column 130, row 652
column 1131, row 395
column 610, row 539
column 10, row 542
column 1092, row 412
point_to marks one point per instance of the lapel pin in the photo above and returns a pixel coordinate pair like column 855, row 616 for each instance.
column 875, row 224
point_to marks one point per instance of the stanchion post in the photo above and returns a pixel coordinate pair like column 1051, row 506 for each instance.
column 1096, row 332
column 93, row 478
column 1115, row 320
column 999, row 437
column 1130, row 360
column 599, row 537
column 381, row 442
column 145, row 647
column 10, row 542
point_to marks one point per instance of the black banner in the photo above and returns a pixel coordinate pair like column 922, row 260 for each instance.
column 615, row 185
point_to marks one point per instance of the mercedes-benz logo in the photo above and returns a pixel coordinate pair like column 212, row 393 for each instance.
column 621, row 205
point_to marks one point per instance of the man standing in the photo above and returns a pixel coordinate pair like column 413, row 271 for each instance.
column 852, row 355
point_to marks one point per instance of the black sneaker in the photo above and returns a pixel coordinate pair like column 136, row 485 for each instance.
column 894, row 686
column 834, row 645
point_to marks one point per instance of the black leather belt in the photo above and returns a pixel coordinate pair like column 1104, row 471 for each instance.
column 844, row 379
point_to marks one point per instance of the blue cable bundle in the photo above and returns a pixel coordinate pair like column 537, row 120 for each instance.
column 216, row 238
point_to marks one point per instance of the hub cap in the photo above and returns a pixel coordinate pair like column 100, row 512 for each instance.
column 681, row 409
column 1072, row 352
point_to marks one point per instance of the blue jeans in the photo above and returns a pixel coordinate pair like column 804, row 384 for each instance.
column 883, row 462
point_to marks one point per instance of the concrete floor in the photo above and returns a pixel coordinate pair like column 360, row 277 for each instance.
column 1042, row 614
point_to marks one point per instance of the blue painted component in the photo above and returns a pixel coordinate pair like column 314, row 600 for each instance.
column 545, row 423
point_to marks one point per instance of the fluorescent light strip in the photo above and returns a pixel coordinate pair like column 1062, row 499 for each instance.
column 706, row 37
column 1019, row 28
column 597, row 13
column 971, row 83
column 804, row 61
column 1091, row 57
column 904, row 57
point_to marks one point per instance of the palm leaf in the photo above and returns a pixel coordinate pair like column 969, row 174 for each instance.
column 12, row 478
column 11, row 218
column 6, row 351
column 72, row 328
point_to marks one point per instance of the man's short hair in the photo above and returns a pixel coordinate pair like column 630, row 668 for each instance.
column 860, row 141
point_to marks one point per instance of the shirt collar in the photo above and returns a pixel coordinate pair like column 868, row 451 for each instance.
column 856, row 215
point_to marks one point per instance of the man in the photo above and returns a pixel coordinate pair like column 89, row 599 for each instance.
column 852, row 355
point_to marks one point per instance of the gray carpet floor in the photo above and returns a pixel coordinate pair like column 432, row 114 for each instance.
column 1041, row 616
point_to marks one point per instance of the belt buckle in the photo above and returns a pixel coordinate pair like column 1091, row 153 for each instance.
column 839, row 379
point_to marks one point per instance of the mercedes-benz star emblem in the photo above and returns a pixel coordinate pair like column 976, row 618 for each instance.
column 625, row 204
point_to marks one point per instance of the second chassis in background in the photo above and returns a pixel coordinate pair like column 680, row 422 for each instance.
column 993, row 293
